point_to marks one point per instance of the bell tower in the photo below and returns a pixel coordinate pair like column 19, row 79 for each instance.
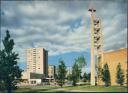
column 96, row 43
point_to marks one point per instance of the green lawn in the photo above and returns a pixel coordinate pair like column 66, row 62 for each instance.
column 82, row 88
column 99, row 88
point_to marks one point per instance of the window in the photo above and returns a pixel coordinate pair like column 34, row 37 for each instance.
column 34, row 82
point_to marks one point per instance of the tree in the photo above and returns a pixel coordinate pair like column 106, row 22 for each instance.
column 99, row 71
column 106, row 75
column 61, row 73
column 119, row 75
column 127, row 76
column 81, row 62
column 75, row 74
column 69, row 77
column 89, row 75
column 9, row 70
column 85, row 77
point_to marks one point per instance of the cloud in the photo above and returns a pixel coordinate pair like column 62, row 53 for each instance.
column 62, row 26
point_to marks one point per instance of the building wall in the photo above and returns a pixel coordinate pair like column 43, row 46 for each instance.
column 34, row 81
column 51, row 71
column 45, row 62
column 69, row 70
column 113, row 58
column 24, row 75
column 37, row 60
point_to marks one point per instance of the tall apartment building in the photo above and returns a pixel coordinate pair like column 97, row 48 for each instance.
column 37, row 61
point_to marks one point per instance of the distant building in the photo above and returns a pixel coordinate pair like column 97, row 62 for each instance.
column 113, row 58
column 37, row 61
column 51, row 71
column 69, row 70
column 37, row 66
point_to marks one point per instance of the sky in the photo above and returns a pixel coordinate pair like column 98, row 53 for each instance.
column 63, row 27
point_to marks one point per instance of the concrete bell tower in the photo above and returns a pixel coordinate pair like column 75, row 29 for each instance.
column 96, row 43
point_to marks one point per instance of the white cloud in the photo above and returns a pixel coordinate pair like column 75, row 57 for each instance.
column 62, row 27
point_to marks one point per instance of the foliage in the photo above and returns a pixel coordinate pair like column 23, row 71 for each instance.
column 99, row 72
column 9, row 70
column 119, row 75
column 69, row 77
column 85, row 77
column 81, row 62
column 89, row 75
column 2, row 85
column 55, row 76
column 106, row 75
column 61, row 73
column 36, row 76
column 75, row 74
column 127, row 76
column 98, row 69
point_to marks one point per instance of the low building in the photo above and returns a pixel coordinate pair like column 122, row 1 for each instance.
column 51, row 71
column 113, row 58
column 24, row 78
column 31, row 78
column 69, row 70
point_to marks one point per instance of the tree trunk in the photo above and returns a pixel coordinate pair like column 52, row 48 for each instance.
column 9, row 88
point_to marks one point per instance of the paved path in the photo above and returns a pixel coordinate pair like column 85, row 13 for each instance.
column 62, row 89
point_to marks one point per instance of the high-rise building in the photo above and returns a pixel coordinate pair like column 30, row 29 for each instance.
column 37, row 61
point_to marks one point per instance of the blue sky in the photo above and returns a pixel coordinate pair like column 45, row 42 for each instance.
column 63, row 27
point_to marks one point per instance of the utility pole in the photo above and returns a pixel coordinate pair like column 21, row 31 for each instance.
column 96, row 43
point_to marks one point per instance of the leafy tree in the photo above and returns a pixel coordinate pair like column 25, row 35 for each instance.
column 85, row 77
column 9, row 70
column 89, row 75
column 75, row 74
column 55, row 76
column 61, row 73
column 98, row 67
column 119, row 75
column 81, row 62
column 99, row 71
column 69, row 77
column 127, row 76
column 2, row 85
column 106, row 75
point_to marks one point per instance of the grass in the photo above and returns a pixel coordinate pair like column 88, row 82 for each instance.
column 82, row 88
column 35, row 89
column 99, row 88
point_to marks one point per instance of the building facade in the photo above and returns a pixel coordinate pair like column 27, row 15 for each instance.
column 113, row 58
column 37, row 61
column 51, row 71
column 69, row 70
column 37, row 66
